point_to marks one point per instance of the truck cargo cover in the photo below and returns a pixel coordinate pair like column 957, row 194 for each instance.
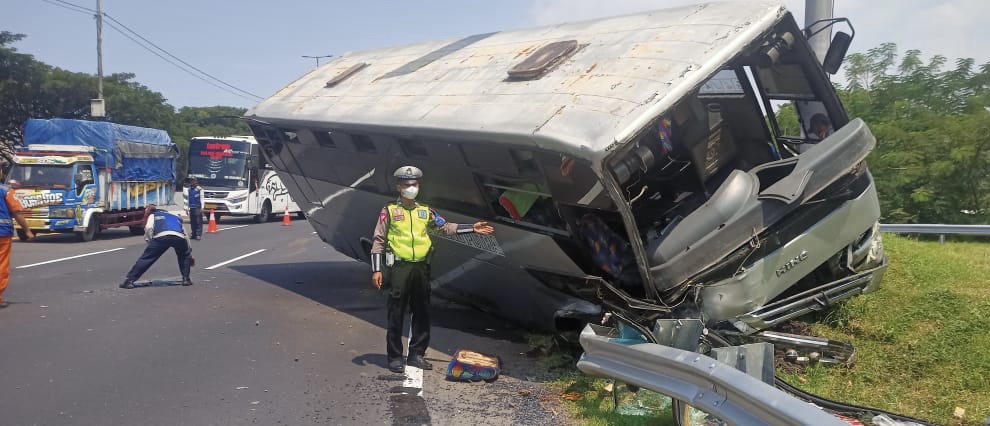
column 133, row 153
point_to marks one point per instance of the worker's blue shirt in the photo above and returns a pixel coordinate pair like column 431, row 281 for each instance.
column 195, row 199
column 6, row 219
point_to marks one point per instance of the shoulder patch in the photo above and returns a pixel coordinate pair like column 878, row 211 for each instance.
column 437, row 219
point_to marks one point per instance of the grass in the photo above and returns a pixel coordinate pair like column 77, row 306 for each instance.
column 922, row 342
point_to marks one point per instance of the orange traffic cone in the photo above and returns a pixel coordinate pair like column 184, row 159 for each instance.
column 285, row 217
column 212, row 227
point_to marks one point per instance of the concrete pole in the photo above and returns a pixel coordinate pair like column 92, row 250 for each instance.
column 99, row 50
column 816, row 10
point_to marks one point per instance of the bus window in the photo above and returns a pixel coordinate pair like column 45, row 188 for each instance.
column 522, row 201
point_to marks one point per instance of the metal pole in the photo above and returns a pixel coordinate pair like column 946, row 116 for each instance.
column 816, row 10
column 99, row 50
column 317, row 58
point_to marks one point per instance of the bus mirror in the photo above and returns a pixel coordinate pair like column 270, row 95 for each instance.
column 836, row 52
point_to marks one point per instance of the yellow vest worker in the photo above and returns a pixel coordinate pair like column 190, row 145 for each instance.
column 402, row 245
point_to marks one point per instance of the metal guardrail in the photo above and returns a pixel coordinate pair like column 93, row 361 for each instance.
column 924, row 228
column 938, row 229
column 698, row 380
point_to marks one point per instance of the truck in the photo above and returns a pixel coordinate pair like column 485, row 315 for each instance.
column 236, row 179
column 87, row 176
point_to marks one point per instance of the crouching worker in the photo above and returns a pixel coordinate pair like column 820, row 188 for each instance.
column 162, row 231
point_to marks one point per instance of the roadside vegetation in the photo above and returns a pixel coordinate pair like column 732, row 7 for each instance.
column 922, row 346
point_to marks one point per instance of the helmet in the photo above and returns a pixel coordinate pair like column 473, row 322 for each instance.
column 408, row 173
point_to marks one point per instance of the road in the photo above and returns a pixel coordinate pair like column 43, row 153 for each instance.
column 278, row 329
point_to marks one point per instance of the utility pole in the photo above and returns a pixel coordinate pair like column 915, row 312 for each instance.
column 816, row 10
column 317, row 58
column 96, row 106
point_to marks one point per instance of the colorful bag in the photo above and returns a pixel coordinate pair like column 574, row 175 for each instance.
column 469, row 365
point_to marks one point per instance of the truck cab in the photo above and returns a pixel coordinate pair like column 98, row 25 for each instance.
column 56, row 184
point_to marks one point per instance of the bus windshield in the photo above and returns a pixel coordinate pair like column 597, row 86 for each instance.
column 219, row 163
column 40, row 176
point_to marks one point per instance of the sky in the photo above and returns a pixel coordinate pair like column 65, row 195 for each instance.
column 258, row 46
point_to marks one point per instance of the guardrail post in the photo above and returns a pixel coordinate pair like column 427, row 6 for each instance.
column 941, row 239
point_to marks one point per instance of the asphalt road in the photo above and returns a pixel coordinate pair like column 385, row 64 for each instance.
column 278, row 329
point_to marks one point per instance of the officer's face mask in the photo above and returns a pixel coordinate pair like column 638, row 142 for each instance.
column 410, row 191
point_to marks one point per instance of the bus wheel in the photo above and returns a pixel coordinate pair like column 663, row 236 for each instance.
column 91, row 227
column 266, row 213
column 136, row 230
column 21, row 235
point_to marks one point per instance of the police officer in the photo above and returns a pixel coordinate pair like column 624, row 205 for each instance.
column 162, row 231
column 401, row 243
column 194, row 209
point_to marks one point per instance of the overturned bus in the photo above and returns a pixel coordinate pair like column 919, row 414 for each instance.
column 633, row 165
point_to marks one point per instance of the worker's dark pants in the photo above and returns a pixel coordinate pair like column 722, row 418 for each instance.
column 156, row 248
column 196, row 222
column 409, row 284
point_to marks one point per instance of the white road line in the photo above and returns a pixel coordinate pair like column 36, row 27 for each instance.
column 232, row 227
column 68, row 258
column 414, row 380
column 236, row 259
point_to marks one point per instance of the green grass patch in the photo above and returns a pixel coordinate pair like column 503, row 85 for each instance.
column 922, row 343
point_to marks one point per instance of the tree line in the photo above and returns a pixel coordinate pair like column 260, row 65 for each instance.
column 932, row 122
column 32, row 89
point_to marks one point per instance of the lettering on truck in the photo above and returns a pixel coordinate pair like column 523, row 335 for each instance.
column 39, row 199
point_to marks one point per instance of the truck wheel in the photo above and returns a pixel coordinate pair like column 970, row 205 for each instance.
column 266, row 213
column 91, row 227
column 136, row 230
column 21, row 235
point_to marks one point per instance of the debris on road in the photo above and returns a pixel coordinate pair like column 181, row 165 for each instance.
column 470, row 365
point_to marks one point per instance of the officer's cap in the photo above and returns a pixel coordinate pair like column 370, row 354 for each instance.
column 405, row 173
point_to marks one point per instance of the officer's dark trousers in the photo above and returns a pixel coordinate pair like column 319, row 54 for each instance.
column 156, row 248
column 196, row 222
column 409, row 285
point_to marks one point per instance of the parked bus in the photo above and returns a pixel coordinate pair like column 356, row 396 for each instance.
column 236, row 180
column 631, row 165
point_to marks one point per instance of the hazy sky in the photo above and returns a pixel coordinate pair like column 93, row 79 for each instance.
column 257, row 46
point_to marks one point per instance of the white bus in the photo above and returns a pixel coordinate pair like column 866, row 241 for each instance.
column 236, row 179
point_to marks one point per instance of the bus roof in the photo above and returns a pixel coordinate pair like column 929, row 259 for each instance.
column 624, row 72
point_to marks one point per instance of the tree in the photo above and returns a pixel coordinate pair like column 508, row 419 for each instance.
column 932, row 163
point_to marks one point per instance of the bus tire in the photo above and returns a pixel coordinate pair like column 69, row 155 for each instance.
column 266, row 213
column 22, row 235
column 91, row 228
column 136, row 229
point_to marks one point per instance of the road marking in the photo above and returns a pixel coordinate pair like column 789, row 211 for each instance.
column 414, row 380
column 233, row 227
column 236, row 259
column 68, row 258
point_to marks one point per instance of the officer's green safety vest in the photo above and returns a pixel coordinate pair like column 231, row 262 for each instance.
column 407, row 232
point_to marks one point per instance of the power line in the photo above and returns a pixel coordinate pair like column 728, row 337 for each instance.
column 178, row 59
column 81, row 9
column 114, row 27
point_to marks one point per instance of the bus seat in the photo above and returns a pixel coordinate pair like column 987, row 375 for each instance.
column 739, row 187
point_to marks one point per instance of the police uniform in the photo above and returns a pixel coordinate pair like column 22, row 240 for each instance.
column 163, row 230
column 194, row 202
column 401, row 247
